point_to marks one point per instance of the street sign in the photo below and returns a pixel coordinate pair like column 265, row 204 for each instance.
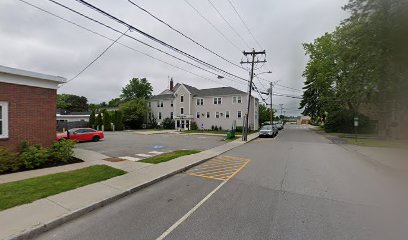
column 356, row 122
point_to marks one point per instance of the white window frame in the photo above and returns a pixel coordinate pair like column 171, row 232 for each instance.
column 171, row 115
column 217, row 114
column 208, row 114
column 161, row 103
column 200, row 101
column 227, row 114
column 236, row 100
column 4, row 120
column 171, row 103
column 217, row 100
column 181, row 98
column 160, row 116
column 182, row 111
column 238, row 114
column 197, row 115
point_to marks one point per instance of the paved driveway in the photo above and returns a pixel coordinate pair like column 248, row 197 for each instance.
column 119, row 144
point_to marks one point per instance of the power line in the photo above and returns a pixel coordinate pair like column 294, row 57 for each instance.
column 119, row 43
column 212, row 25
column 182, row 34
column 107, row 26
column 243, row 23
column 99, row 56
column 156, row 39
column 229, row 25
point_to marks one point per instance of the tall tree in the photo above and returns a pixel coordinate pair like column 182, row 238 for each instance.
column 137, row 88
column 92, row 119
column 72, row 103
column 134, row 113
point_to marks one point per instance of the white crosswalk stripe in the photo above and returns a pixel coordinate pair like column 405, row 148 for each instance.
column 143, row 155
column 133, row 159
column 156, row 152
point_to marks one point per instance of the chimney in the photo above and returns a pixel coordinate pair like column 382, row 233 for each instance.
column 171, row 84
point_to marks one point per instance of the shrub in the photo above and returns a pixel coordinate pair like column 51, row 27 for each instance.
column 168, row 123
column 220, row 128
column 194, row 126
column 8, row 161
column 238, row 129
column 33, row 156
column 62, row 151
column 212, row 127
column 215, row 128
column 342, row 121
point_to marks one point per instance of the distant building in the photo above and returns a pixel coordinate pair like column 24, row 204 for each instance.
column 27, row 107
column 221, row 107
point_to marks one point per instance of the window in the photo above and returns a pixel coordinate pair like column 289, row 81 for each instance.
column 161, row 103
column 160, row 115
column 237, row 99
column 171, row 115
column 217, row 115
column 239, row 114
column 198, row 115
column 171, row 103
column 208, row 114
column 3, row 120
column 182, row 110
column 217, row 100
column 181, row 98
column 200, row 102
column 227, row 114
column 158, row 103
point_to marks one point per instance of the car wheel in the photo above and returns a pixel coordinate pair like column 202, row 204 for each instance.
column 96, row 138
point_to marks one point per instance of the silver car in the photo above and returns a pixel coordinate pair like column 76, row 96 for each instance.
column 268, row 131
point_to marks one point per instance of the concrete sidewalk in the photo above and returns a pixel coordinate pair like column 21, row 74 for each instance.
column 27, row 221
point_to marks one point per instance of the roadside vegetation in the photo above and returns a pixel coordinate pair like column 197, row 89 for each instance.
column 359, row 70
column 169, row 156
column 36, row 156
column 26, row 191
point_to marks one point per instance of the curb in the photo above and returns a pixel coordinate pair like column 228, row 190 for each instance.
column 36, row 231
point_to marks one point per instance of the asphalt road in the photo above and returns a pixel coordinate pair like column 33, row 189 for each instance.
column 118, row 144
column 297, row 186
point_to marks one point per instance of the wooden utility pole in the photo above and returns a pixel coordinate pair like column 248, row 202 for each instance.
column 253, row 61
column 270, row 96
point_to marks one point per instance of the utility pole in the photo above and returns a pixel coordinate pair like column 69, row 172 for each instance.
column 281, row 107
column 271, row 107
column 253, row 54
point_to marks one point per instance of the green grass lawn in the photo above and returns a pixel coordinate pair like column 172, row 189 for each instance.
column 372, row 142
column 169, row 156
column 26, row 191
column 231, row 139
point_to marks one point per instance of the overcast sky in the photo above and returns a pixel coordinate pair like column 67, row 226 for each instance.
column 33, row 40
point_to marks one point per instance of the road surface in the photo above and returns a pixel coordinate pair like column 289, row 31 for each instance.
column 296, row 186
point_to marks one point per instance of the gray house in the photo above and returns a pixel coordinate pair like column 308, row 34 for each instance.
column 221, row 107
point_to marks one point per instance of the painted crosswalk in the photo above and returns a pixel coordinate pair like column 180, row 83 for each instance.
column 140, row 156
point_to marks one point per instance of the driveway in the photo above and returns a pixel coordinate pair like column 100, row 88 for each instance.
column 119, row 144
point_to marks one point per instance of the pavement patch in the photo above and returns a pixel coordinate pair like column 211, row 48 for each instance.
column 220, row 168
column 143, row 155
column 133, row 159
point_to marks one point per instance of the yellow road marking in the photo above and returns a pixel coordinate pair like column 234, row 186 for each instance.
column 220, row 168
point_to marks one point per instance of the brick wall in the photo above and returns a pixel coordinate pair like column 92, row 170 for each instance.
column 32, row 113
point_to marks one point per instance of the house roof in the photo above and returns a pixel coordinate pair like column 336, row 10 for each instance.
column 221, row 91
column 25, row 73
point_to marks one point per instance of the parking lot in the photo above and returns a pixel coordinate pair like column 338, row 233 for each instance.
column 119, row 144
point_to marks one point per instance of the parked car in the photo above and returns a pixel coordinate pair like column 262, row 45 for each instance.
column 268, row 131
column 280, row 126
column 81, row 135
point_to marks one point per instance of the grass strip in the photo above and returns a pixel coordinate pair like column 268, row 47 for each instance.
column 26, row 191
column 169, row 156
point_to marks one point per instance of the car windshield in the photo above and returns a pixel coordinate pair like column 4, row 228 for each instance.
column 267, row 127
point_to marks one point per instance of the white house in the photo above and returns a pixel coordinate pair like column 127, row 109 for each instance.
column 221, row 107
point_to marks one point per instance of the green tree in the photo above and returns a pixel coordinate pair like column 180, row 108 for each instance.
column 134, row 113
column 92, row 119
column 107, row 121
column 118, row 120
column 137, row 88
column 72, row 103
column 114, row 102
column 169, row 123
column 99, row 121
column 264, row 114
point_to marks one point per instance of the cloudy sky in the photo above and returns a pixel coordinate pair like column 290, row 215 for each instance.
column 34, row 40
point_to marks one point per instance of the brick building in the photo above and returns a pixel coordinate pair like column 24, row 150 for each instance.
column 27, row 107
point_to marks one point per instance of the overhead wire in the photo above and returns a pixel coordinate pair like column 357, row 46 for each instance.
column 182, row 34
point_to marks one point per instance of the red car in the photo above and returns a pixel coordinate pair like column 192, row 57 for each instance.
column 81, row 135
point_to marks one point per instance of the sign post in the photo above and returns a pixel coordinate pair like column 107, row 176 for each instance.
column 355, row 127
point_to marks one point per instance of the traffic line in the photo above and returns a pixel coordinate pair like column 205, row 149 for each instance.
column 156, row 152
column 143, row 155
column 133, row 159
column 224, row 179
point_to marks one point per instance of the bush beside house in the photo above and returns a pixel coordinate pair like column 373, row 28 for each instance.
column 35, row 156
